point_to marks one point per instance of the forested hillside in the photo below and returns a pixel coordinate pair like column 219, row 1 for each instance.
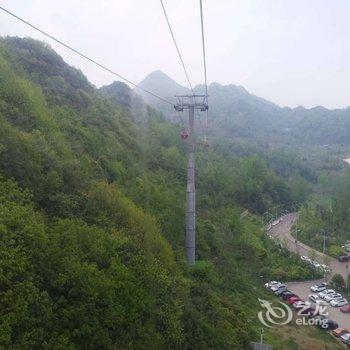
column 92, row 190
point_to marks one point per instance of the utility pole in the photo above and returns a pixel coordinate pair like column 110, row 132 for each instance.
column 348, row 278
column 324, row 251
column 191, row 103
column 261, row 335
column 324, row 241
column 296, row 240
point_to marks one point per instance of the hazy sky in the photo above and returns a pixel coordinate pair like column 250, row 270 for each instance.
column 292, row 52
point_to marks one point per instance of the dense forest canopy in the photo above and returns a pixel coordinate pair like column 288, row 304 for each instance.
column 92, row 188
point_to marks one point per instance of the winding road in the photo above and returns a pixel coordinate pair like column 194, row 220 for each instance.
column 282, row 231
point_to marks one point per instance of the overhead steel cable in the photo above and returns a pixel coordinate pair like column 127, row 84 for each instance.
column 176, row 46
column 205, row 70
column 86, row 57
column 203, row 49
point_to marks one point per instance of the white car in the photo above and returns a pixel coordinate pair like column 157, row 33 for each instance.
column 305, row 258
column 318, row 287
column 277, row 286
column 345, row 338
column 316, row 299
column 333, row 296
column 339, row 302
column 316, row 264
column 325, row 268
column 271, row 283
column 300, row 304
column 326, row 292
column 276, row 222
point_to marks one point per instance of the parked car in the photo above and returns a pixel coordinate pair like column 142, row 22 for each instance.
column 300, row 304
column 280, row 290
column 344, row 258
column 339, row 302
column 329, row 324
column 345, row 309
column 293, row 300
column 316, row 264
column 308, row 311
column 339, row 332
column 316, row 299
column 276, row 222
column 271, row 284
column 319, row 287
column 326, row 292
column 277, row 286
column 332, row 296
column 288, row 295
column 345, row 338
column 346, row 246
column 286, row 292
column 325, row 268
column 305, row 258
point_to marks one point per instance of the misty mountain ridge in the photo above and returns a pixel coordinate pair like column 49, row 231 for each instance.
column 234, row 112
column 160, row 83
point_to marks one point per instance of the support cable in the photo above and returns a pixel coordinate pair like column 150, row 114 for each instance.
column 203, row 49
column 205, row 69
column 176, row 46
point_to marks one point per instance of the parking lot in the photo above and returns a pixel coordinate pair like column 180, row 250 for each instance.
column 281, row 231
column 303, row 290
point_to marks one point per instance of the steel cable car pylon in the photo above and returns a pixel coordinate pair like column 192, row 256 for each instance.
column 191, row 103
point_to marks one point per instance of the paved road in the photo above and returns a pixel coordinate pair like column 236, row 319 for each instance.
column 282, row 232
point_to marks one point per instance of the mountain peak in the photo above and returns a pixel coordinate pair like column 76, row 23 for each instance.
column 160, row 83
column 158, row 74
column 158, row 79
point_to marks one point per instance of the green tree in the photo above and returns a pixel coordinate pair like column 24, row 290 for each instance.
column 338, row 282
column 335, row 251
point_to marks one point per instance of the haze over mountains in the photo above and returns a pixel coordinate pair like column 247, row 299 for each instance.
column 234, row 112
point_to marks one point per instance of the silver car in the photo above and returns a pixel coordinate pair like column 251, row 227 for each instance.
column 333, row 296
column 277, row 286
column 339, row 302
column 318, row 287
column 326, row 292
